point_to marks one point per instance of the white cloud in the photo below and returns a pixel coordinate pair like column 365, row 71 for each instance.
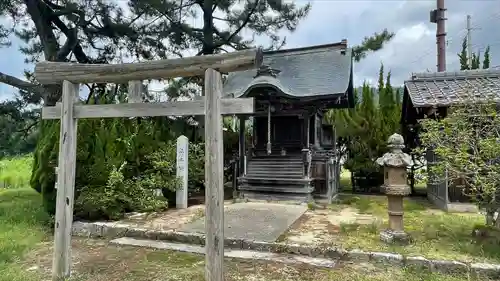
column 412, row 33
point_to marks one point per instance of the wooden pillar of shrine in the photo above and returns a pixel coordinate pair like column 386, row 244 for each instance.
column 242, row 145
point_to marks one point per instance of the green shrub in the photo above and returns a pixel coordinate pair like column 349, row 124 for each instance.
column 118, row 196
column 119, row 164
column 164, row 168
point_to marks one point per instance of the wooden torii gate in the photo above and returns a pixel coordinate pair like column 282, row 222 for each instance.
column 71, row 75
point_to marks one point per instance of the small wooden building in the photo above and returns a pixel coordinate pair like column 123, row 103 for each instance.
column 428, row 95
column 291, row 145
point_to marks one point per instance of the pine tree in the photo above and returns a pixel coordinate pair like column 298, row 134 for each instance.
column 101, row 31
column 77, row 30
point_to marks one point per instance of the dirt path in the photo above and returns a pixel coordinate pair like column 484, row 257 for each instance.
column 96, row 260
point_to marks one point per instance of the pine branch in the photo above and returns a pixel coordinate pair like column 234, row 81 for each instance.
column 238, row 30
column 39, row 11
column 28, row 129
column 20, row 84
column 371, row 44
column 53, row 5
column 71, row 43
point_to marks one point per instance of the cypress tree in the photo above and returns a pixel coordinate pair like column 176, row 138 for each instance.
column 464, row 63
column 486, row 59
column 475, row 60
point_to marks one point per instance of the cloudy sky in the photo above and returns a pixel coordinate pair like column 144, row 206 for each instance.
column 413, row 49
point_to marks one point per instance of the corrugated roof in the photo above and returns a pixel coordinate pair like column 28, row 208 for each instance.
column 305, row 72
column 442, row 89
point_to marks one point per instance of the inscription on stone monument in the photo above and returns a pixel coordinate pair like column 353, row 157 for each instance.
column 181, row 194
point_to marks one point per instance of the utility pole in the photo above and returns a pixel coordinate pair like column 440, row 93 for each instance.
column 469, row 42
column 437, row 16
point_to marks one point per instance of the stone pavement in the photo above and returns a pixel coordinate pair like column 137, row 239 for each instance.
column 254, row 221
column 230, row 253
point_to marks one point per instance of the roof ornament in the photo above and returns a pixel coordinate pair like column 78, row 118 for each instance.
column 266, row 70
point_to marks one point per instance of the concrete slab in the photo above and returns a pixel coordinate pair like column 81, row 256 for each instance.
column 241, row 254
column 254, row 221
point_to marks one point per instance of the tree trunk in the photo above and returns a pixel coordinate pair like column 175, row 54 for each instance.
column 207, row 49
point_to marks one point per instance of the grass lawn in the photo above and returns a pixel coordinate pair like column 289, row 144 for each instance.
column 15, row 172
column 346, row 185
column 23, row 225
column 436, row 234
column 26, row 255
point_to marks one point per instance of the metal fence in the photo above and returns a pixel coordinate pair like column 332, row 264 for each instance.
column 437, row 186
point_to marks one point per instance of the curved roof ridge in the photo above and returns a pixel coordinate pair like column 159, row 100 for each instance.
column 315, row 71
column 339, row 45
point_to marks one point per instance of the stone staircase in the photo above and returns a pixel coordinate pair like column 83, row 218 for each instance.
column 275, row 177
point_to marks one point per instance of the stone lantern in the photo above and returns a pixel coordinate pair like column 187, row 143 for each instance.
column 395, row 187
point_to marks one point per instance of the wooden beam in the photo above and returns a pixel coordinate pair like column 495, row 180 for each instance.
column 294, row 112
column 178, row 108
column 214, row 178
column 56, row 72
column 66, row 184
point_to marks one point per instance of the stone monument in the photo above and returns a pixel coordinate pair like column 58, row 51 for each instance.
column 395, row 187
column 181, row 193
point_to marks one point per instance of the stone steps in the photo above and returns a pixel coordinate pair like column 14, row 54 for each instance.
column 252, row 163
column 291, row 163
column 273, row 180
column 277, row 177
column 275, row 189
column 274, row 174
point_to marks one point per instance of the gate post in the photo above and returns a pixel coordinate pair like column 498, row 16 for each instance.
column 66, row 164
column 214, row 178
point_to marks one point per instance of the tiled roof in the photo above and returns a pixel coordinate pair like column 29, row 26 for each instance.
column 443, row 89
column 304, row 72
